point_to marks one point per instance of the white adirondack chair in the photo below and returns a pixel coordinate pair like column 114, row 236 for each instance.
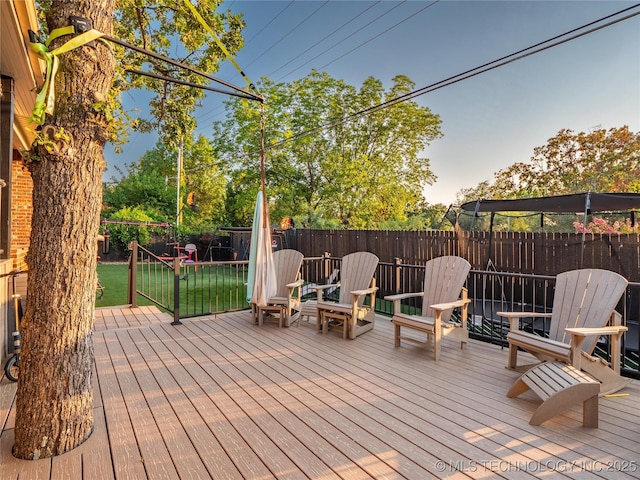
column 583, row 310
column 442, row 292
column 285, row 304
column 354, row 310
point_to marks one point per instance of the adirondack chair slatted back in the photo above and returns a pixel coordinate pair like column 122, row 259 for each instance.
column 287, row 264
column 443, row 282
column 356, row 273
column 584, row 298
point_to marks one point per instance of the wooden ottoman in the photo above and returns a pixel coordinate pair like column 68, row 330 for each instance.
column 560, row 386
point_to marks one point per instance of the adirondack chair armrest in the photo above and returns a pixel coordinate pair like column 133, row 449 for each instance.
column 292, row 286
column 523, row 314
column 320, row 288
column 579, row 334
column 438, row 308
column 450, row 305
column 585, row 332
column 402, row 296
column 514, row 317
column 356, row 294
column 366, row 291
column 297, row 283
column 324, row 287
column 397, row 299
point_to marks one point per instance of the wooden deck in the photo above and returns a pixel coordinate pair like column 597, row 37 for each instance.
column 221, row 398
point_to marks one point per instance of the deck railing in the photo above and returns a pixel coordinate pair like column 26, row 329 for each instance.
column 187, row 289
column 204, row 288
column 492, row 292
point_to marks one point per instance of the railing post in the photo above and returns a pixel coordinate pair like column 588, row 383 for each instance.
column 176, row 292
column 326, row 264
column 397, row 279
column 132, row 297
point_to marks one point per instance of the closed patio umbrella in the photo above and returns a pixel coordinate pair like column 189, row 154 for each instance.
column 261, row 281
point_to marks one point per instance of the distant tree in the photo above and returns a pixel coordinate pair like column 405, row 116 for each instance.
column 359, row 173
column 145, row 184
column 150, row 184
column 600, row 160
column 484, row 190
column 241, row 193
column 204, row 181
column 423, row 217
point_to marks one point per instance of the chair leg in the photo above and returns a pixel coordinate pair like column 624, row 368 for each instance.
column 590, row 412
column 513, row 357
column 396, row 335
column 324, row 323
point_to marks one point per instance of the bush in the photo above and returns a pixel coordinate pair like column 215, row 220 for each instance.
column 122, row 235
column 601, row 225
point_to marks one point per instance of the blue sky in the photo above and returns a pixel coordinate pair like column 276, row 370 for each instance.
column 490, row 121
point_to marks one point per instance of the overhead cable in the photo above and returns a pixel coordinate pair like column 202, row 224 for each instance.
column 269, row 23
column 213, row 113
column 289, row 32
column 379, row 34
column 330, row 34
column 526, row 52
column 331, row 47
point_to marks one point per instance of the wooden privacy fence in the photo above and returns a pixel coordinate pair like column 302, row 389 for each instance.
column 516, row 252
column 412, row 247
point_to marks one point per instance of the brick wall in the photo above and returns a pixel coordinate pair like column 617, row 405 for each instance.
column 21, row 210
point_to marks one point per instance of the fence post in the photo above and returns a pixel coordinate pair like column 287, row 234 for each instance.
column 132, row 297
column 397, row 267
column 176, row 292
column 326, row 264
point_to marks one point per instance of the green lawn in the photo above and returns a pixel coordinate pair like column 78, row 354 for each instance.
column 213, row 288
column 114, row 281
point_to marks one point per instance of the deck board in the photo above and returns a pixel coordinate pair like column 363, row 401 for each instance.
column 344, row 407
column 407, row 418
column 220, row 397
column 7, row 398
column 96, row 452
column 401, row 429
column 312, row 451
column 194, row 404
column 251, row 420
column 127, row 458
column 154, row 454
column 517, row 414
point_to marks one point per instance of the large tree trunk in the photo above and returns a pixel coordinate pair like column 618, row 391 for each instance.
column 54, row 411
